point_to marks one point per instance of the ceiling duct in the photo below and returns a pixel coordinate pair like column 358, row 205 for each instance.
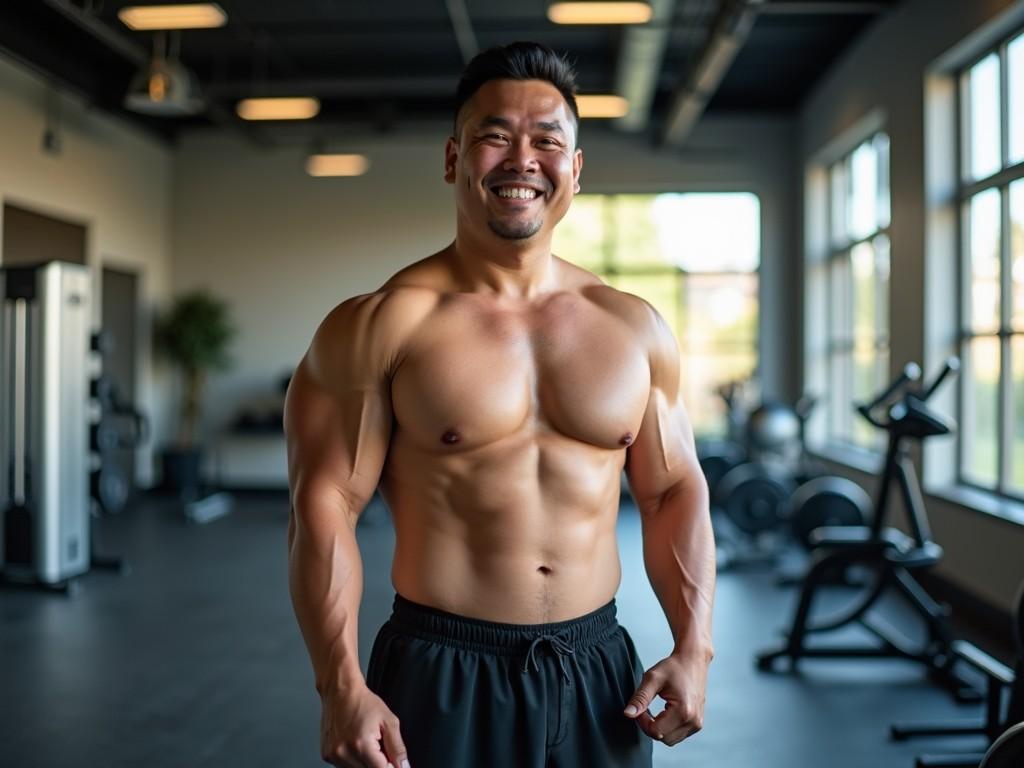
column 640, row 59
column 728, row 34
column 164, row 87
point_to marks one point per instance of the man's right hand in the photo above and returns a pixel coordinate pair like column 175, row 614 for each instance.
column 357, row 730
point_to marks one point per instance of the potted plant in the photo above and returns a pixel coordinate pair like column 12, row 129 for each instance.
column 194, row 335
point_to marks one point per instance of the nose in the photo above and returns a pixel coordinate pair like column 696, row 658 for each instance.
column 521, row 157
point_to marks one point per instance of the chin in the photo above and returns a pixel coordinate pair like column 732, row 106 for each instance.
column 515, row 231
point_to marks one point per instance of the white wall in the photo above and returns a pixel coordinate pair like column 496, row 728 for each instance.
column 884, row 74
column 283, row 248
column 112, row 179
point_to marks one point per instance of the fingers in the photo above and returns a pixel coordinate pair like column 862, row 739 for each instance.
column 364, row 752
column 645, row 693
column 394, row 747
column 676, row 723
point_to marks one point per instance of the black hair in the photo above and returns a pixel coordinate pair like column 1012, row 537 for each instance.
column 517, row 61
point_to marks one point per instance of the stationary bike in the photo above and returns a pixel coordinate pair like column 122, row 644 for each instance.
column 890, row 556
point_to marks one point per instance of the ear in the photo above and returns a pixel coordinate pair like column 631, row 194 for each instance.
column 577, row 166
column 451, row 157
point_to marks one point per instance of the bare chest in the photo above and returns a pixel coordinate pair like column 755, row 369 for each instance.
column 477, row 374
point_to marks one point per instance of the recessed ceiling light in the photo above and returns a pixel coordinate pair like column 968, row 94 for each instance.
column 601, row 105
column 610, row 12
column 191, row 16
column 337, row 165
column 291, row 108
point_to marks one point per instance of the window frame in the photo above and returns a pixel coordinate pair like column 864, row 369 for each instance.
column 967, row 188
column 840, row 344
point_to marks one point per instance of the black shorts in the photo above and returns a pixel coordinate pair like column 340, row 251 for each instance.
column 472, row 693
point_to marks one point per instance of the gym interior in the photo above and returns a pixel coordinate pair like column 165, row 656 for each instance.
column 823, row 198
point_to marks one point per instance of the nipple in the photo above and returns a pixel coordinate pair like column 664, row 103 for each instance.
column 626, row 439
column 451, row 437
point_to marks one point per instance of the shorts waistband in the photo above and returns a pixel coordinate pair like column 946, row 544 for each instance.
column 449, row 629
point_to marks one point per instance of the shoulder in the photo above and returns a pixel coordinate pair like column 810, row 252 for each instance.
column 364, row 337
column 646, row 324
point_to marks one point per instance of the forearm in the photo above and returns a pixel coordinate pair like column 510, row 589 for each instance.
column 325, row 578
column 679, row 554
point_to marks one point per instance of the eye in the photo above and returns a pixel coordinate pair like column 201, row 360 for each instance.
column 495, row 137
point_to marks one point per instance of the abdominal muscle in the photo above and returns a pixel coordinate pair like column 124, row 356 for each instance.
column 521, row 531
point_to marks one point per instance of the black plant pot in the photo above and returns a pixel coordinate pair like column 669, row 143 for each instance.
column 181, row 468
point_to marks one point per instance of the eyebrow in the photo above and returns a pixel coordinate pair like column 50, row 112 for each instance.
column 502, row 122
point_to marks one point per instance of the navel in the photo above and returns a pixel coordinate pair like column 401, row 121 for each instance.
column 451, row 437
column 626, row 439
column 544, row 570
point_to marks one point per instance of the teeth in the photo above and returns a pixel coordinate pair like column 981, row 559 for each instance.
column 524, row 193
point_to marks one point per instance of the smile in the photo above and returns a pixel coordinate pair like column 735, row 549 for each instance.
column 516, row 193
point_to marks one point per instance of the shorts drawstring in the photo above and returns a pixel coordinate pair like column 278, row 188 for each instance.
column 561, row 648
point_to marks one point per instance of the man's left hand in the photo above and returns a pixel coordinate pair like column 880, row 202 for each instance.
column 681, row 682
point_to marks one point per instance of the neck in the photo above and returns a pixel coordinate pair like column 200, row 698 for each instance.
column 520, row 269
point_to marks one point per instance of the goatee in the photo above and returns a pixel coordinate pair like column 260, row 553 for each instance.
column 519, row 230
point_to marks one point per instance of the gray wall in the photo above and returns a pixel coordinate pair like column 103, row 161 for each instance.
column 884, row 77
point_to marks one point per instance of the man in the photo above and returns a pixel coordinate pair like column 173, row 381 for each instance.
column 495, row 392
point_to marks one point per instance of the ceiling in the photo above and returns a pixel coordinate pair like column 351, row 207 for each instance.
column 383, row 63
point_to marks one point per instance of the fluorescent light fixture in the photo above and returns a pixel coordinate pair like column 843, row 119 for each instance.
column 601, row 105
column 293, row 108
column 337, row 165
column 608, row 12
column 191, row 16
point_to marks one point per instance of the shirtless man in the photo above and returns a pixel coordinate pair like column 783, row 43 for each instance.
column 495, row 393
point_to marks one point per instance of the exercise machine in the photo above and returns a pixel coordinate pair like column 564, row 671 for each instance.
column 888, row 556
column 44, row 441
column 1004, row 700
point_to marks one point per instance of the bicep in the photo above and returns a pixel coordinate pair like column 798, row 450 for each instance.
column 337, row 436
column 663, row 454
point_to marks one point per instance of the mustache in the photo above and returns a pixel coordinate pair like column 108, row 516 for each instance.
column 499, row 179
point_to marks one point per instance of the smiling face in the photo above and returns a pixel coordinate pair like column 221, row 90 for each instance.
column 514, row 163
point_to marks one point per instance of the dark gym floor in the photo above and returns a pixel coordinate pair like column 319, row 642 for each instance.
column 195, row 660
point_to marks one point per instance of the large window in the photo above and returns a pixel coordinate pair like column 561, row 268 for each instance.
column 991, row 199
column 695, row 258
column 855, row 278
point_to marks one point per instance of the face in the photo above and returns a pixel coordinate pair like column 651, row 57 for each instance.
column 514, row 163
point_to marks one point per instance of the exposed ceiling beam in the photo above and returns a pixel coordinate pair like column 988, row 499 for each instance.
column 823, row 8
column 347, row 87
column 463, row 29
column 640, row 59
column 728, row 33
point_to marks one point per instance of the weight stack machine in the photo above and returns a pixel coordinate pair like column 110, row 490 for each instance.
column 45, row 318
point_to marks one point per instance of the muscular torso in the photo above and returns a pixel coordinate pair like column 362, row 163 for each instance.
column 511, row 425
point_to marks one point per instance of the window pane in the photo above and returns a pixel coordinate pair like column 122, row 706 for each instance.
column 863, row 204
column 881, row 142
column 1015, row 72
column 701, row 375
column 660, row 290
column 1017, row 252
column 635, row 232
column 712, row 232
column 579, row 237
column 720, row 312
column 840, row 320
column 862, row 263
column 865, row 383
column 984, row 117
column 982, row 298
column 840, row 394
column 979, row 427
column 881, row 244
column 1017, row 419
